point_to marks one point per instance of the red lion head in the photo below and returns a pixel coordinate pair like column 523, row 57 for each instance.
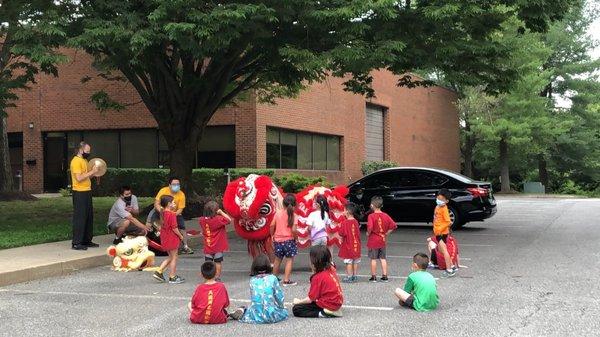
column 252, row 202
column 336, row 198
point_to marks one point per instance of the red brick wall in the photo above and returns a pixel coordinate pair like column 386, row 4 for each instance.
column 421, row 125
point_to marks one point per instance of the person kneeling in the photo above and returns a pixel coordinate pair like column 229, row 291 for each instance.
column 210, row 300
column 420, row 290
column 325, row 296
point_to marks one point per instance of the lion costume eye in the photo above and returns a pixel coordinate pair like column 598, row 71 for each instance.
column 265, row 209
column 129, row 252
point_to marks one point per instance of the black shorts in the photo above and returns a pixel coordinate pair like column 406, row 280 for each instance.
column 216, row 257
column 441, row 238
column 409, row 302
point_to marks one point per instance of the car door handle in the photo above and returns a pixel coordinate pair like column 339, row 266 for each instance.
column 430, row 195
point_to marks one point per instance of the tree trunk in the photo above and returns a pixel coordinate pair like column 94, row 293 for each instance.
column 543, row 170
column 6, row 179
column 504, row 167
column 183, row 161
column 468, row 150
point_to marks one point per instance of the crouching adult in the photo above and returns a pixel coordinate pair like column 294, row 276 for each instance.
column 121, row 219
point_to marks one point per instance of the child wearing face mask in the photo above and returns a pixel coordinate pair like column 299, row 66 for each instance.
column 441, row 229
column 169, row 240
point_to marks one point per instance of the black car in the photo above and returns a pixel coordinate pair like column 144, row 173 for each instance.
column 409, row 194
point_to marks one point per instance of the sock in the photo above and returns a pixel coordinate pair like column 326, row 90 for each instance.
column 449, row 270
column 322, row 315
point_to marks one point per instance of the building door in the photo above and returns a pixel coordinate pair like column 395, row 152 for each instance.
column 374, row 148
column 55, row 161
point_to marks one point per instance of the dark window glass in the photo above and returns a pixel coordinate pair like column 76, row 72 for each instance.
column 163, row 152
column 273, row 153
column 333, row 153
column 319, row 152
column 105, row 145
column 301, row 150
column 304, row 151
column 382, row 180
column 138, row 148
column 288, row 150
column 217, row 147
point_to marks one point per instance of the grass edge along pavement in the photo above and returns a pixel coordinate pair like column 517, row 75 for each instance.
column 46, row 220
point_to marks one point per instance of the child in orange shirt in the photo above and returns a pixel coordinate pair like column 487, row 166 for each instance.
column 441, row 229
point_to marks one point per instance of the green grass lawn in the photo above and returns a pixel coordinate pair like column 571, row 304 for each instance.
column 25, row 223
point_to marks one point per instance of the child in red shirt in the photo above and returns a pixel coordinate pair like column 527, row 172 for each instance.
column 215, row 234
column 379, row 226
column 351, row 247
column 325, row 296
column 210, row 300
column 170, row 237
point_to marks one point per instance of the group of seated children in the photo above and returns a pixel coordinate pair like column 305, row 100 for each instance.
column 210, row 302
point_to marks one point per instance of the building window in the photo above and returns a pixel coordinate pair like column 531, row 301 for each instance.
column 288, row 149
column 138, row 148
column 217, row 147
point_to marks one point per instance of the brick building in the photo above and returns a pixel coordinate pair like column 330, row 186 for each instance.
column 325, row 131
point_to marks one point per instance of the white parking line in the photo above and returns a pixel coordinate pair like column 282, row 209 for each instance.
column 300, row 272
column 364, row 255
column 423, row 244
column 159, row 297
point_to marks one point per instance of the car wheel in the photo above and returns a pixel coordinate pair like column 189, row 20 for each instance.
column 456, row 219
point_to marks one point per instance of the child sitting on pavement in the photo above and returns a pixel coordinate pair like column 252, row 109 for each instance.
column 210, row 300
column 420, row 290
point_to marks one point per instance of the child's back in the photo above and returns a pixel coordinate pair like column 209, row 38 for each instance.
column 378, row 225
column 209, row 303
column 267, row 301
column 351, row 245
column 423, row 287
column 283, row 232
column 215, row 234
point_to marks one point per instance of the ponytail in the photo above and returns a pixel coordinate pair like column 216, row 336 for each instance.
column 323, row 205
column 289, row 202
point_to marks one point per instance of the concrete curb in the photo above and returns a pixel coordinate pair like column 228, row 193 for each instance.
column 29, row 263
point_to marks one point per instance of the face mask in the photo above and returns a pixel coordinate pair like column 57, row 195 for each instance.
column 85, row 155
column 175, row 188
column 127, row 199
column 439, row 202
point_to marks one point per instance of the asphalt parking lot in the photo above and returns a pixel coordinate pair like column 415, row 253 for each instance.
column 533, row 270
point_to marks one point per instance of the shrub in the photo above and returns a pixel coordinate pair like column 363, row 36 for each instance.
column 147, row 182
column 369, row 167
column 294, row 182
column 65, row 192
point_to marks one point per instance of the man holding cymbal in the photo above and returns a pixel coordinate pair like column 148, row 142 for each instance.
column 83, row 209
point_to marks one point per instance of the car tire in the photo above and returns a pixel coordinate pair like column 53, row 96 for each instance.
column 457, row 221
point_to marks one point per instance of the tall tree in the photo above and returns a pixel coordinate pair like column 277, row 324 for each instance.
column 188, row 58
column 571, row 68
column 29, row 30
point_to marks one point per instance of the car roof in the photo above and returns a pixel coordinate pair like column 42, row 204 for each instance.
column 446, row 172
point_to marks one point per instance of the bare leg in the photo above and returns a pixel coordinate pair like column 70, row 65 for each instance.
column 373, row 267
column 289, row 262
column 185, row 239
column 401, row 294
column 276, row 265
column 218, row 264
column 384, row 269
column 165, row 263
column 354, row 269
column 121, row 229
column 173, row 264
column 444, row 250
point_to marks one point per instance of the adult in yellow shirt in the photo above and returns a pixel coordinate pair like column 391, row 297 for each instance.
column 83, row 209
column 174, row 190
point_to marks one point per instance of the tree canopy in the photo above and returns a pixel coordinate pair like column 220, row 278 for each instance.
column 188, row 58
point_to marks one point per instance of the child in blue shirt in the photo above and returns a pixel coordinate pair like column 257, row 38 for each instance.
column 266, row 296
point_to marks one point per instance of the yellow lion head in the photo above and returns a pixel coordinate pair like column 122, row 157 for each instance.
column 131, row 253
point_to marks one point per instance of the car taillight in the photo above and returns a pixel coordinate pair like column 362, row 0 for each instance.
column 478, row 192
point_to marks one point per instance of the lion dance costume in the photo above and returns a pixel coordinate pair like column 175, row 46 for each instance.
column 252, row 202
column 336, row 198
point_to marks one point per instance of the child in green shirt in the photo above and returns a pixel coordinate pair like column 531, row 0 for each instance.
column 420, row 291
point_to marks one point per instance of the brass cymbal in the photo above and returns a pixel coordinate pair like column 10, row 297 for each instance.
column 100, row 163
